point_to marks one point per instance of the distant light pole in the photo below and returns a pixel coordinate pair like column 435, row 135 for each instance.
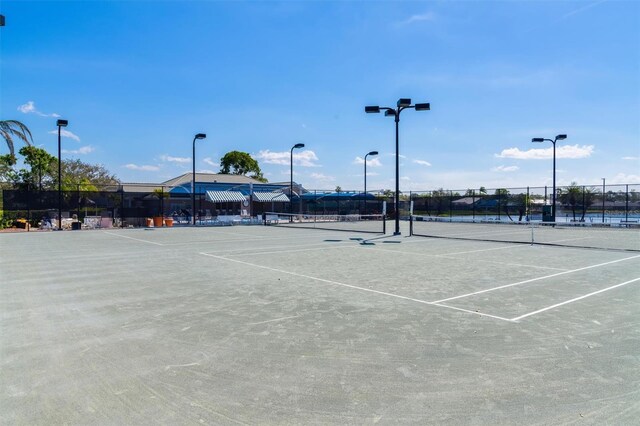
column 296, row 146
column 365, row 178
column 193, row 177
column 553, row 195
column 60, row 124
column 603, row 182
column 402, row 104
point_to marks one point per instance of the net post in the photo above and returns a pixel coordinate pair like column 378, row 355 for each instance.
column 411, row 224
column 384, row 224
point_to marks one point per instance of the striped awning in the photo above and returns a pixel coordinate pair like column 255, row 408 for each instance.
column 224, row 196
column 270, row 196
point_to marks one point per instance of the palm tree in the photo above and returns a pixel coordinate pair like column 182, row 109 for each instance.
column 11, row 128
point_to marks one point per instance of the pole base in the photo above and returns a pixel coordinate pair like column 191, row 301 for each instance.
column 397, row 233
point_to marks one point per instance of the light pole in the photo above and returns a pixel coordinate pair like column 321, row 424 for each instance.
column 193, row 177
column 402, row 104
column 296, row 146
column 603, row 193
column 60, row 124
column 365, row 178
column 553, row 196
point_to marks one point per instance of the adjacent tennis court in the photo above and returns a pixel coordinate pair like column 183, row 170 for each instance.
column 287, row 325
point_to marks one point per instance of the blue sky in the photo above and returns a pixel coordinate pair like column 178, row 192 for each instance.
column 137, row 79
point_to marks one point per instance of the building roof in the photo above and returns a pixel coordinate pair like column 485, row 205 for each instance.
column 209, row 178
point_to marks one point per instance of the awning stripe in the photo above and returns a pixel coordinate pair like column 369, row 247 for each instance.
column 224, row 196
column 270, row 196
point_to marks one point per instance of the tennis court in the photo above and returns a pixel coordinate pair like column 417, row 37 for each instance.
column 286, row 325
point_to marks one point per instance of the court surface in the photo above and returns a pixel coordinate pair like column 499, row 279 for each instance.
column 272, row 325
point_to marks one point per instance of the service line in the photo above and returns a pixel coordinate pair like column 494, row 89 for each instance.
column 384, row 293
column 574, row 299
column 535, row 279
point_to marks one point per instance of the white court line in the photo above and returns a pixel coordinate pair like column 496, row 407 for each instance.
column 450, row 256
column 574, row 299
column 384, row 293
column 325, row 247
column 535, row 279
column 131, row 238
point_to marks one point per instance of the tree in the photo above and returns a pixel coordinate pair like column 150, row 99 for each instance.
column 571, row 196
column 88, row 176
column 13, row 128
column 41, row 167
column 240, row 163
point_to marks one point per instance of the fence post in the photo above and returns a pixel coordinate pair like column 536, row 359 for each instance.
column 473, row 203
column 28, row 226
column 528, row 206
column 450, row 205
column 121, row 206
column 626, row 203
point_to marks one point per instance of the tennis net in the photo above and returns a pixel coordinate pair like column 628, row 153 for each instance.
column 610, row 236
column 371, row 223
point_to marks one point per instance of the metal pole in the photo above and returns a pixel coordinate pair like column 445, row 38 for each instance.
column 553, row 208
column 291, row 184
column 626, row 204
column 397, row 196
column 603, row 193
column 193, row 184
column 365, row 183
column 59, row 184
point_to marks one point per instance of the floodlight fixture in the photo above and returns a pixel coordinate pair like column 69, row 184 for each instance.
column 193, row 177
column 296, row 146
column 60, row 124
column 553, row 195
column 402, row 104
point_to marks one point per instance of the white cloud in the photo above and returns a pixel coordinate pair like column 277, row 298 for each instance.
column 422, row 162
column 301, row 158
column 505, row 169
column 142, row 168
column 564, row 151
column 206, row 171
column 428, row 16
column 210, row 162
column 66, row 134
column 405, row 178
column 621, row 178
column 175, row 159
column 372, row 162
column 393, row 154
column 322, row 178
column 82, row 150
column 30, row 108
column 631, row 158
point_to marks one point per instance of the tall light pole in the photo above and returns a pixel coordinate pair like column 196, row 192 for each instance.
column 603, row 181
column 553, row 195
column 402, row 104
column 365, row 178
column 60, row 124
column 193, row 177
column 296, row 146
